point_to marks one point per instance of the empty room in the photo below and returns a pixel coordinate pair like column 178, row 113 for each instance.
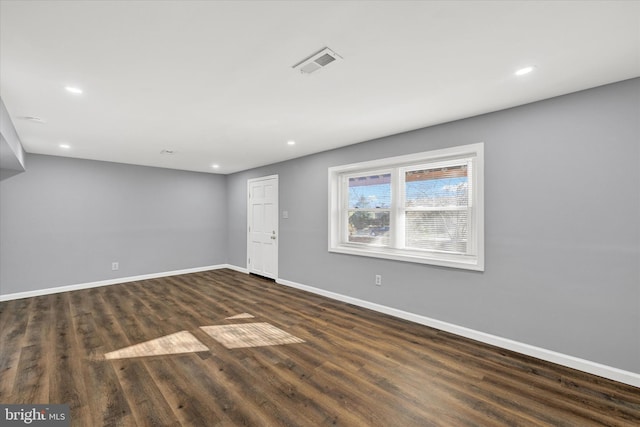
column 319, row 213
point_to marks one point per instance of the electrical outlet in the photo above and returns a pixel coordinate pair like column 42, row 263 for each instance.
column 378, row 280
column 115, row 265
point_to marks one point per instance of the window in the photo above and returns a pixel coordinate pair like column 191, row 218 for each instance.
column 425, row 208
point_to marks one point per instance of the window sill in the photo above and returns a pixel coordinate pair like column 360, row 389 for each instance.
column 465, row 262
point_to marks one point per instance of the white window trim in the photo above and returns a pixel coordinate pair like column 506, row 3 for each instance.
column 474, row 261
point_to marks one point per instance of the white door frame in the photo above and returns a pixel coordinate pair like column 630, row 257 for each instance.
column 273, row 238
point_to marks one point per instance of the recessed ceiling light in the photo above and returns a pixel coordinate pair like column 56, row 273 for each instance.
column 215, row 166
column 525, row 70
column 64, row 146
column 291, row 142
column 74, row 90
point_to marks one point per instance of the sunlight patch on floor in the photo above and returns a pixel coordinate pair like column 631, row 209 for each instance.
column 180, row 342
column 240, row 316
column 249, row 335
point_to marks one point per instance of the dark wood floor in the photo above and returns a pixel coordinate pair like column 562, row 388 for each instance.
column 355, row 368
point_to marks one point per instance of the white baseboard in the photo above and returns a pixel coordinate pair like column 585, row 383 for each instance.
column 47, row 291
column 236, row 268
column 594, row 368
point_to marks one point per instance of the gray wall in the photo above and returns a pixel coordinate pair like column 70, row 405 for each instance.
column 64, row 221
column 562, row 228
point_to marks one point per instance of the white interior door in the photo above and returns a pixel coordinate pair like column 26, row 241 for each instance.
column 262, row 244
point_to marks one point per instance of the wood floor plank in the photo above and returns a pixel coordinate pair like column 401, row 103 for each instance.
column 14, row 317
column 66, row 386
column 31, row 383
column 147, row 403
column 105, row 398
column 191, row 404
column 356, row 367
column 175, row 389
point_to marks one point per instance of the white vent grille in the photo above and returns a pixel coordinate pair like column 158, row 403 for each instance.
column 317, row 61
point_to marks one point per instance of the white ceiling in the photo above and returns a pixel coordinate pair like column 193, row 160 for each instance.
column 213, row 80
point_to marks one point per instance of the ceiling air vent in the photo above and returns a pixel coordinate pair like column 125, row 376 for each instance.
column 316, row 61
